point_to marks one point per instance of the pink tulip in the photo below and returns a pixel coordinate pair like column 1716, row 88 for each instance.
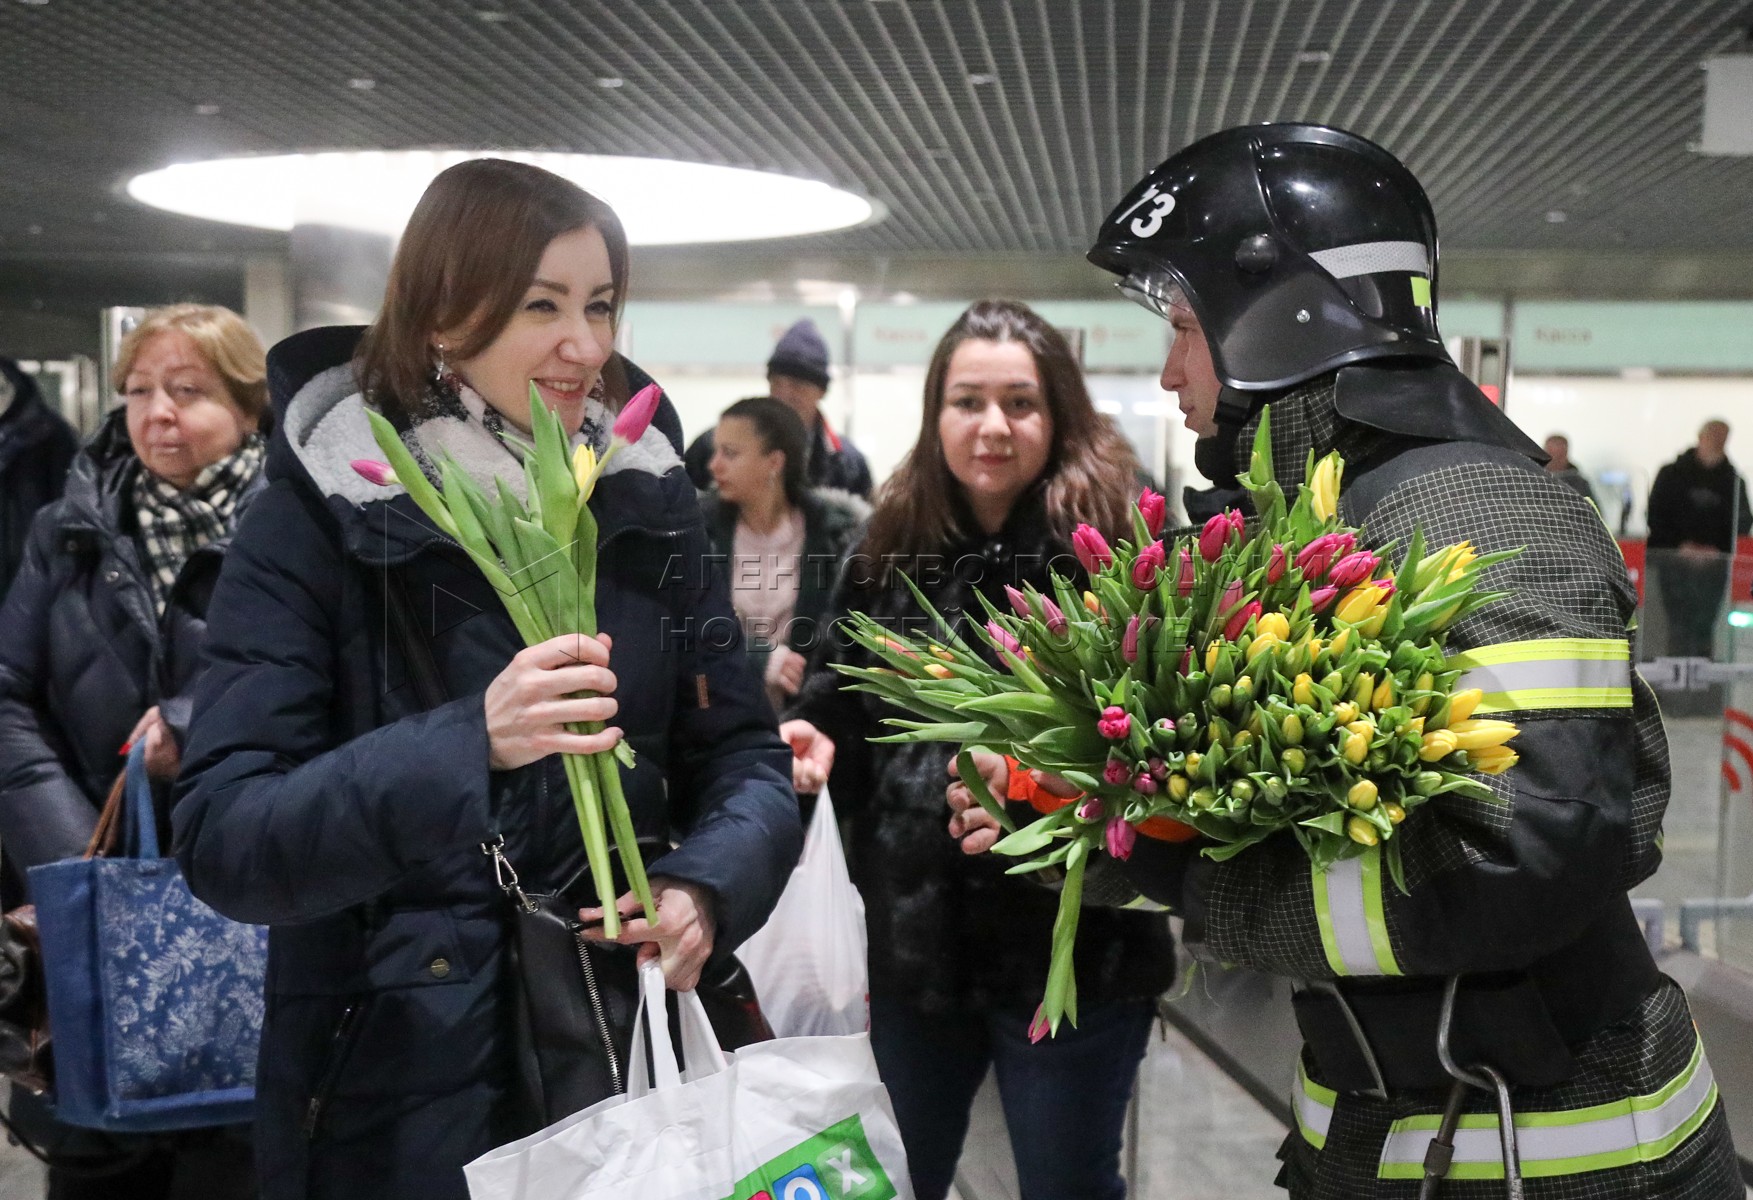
column 1353, row 569
column 1276, row 564
column 1001, row 638
column 1089, row 810
column 1092, row 548
column 1384, row 588
column 1184, row 580
column 1144, row 784
column 1121, row 837
column 376, row 472
column 1314, row 559
column 1212, row 538
column 1238, row 525
column 1322, row 598
column 636, row 415
column 1155, row 511
column 1019, row 603
column 1116, row 772
column 1038, row 1028
column 1148, row 565
column 1187, row 661
column 1159, row 770
column 1115, row 724
column 1344, row 543
column 1232, row 596
column 1129, row 640
column 1236, row 624
column 1055, row 618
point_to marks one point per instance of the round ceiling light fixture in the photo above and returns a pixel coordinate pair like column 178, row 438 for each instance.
column 659, row 201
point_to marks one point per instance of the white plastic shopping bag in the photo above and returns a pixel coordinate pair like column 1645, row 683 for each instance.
column 808, row 960
column 792, row 1119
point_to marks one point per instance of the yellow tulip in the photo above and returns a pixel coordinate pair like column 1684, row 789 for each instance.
column 1324, row 499
column 1092, row 604
column 938, row 651
column 1438, row 743
column 1494, row 760
column 1356, row 748
column 584, row 471
column 1362, row 795
column 1179, row 787
column 1462, row 704
column 1303, row 690
column 938, row 671
column 1384, row 695
column 1362, row 688
column 1393, row 812
column 1481, row 734
column 1361, row 832
column 1337, row 646
column 1273, row 624
column 1211, row 657
column 1262, row 643
column 1346, row 712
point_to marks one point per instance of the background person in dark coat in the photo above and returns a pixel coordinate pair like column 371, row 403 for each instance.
column 1011, row 457
column 36, row 448
column 102, row 642
column 779, row 540
column 797, row 376
column 1697, row 507
column 323, row 798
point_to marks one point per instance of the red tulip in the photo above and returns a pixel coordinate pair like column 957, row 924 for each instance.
column 1091, row 548
column 1232, row 596
column 1212, row 538
column 1322, row 598
column 1236, row 624
column 1129, row 640
column 1314, row 559
column 1155, row 511
column 1237, row 524
column 1038, row 1028
column 1147, row 565
column 1116, row 772
column 1276, row 564
column 1353, row 569
column 1184, row 582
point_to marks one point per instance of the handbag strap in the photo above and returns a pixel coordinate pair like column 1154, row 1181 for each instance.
column 139, row 824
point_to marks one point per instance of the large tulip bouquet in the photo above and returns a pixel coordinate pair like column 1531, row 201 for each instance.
column 1268, row 678
column 541, row 557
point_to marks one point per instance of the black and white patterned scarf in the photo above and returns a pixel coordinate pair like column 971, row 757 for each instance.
column 173, row 523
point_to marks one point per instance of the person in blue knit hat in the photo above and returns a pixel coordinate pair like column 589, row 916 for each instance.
column 797, row 375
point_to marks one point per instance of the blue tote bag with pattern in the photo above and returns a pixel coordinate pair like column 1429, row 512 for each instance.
column 155, row 1000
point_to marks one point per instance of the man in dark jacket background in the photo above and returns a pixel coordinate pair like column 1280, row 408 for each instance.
column 1697, row 508
column 36, row 447
column 797, row 375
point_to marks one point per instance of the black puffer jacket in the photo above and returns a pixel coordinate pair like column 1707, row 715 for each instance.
column 319, row 796
column 36, row 448
column 950, row 932
column 83, row 653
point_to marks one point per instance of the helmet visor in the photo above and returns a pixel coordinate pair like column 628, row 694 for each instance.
column 1154, row 288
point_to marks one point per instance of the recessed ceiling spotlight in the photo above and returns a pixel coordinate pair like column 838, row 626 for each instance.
column 1314, row 58
column 375, row 190
column 362, row 84
column 981, row 79
column 34, row 230
column 38, row 3
column 610, row 81
column 491, row 15
column 1556, row 216
column 206, row 110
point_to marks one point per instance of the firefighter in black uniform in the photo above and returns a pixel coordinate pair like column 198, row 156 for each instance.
column 1298, row 265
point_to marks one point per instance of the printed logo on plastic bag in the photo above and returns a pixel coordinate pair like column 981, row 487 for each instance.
column 836, row 1164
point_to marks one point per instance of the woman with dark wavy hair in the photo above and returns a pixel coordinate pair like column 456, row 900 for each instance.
column 1011, row 457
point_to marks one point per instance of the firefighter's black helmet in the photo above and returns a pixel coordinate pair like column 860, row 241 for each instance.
column 1300, row 248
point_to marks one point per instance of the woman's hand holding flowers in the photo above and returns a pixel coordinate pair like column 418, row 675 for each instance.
column 530, row 703
column 682, row 939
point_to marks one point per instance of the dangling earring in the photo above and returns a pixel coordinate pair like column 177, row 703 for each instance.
column 439, row 370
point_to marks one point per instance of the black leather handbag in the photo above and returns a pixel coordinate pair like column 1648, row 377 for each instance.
column 576, row 999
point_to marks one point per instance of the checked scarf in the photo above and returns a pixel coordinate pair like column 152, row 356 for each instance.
column 174, row 523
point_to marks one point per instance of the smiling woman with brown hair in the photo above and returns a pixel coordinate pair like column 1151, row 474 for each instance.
column 1011, row 457
column 373, row 718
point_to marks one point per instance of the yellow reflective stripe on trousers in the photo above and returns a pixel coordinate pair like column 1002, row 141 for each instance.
column 1348, row 907
column 1618, row 1134
column 1547, row 673
column 1313, row 1105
